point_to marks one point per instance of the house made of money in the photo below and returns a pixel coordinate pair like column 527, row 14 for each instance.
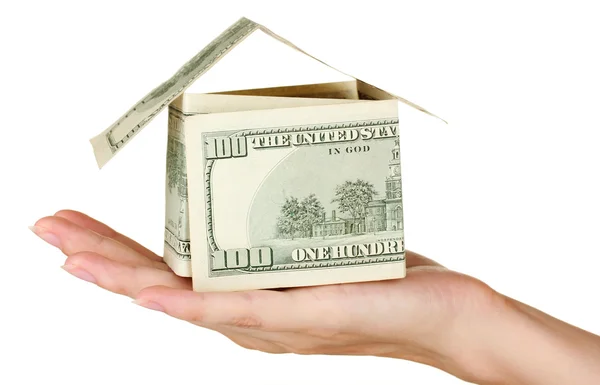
column 251, row 174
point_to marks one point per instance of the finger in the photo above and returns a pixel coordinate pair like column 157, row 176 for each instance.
column 413, row 259
column 71, row 239
column 120, row 278
column 90, row 223
column 249, row 342
column 257, row 309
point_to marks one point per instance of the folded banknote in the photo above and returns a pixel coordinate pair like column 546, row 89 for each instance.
column 275, row 187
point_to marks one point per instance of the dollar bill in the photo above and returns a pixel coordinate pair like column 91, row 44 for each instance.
column 107, row 144
column 177, row 228
column 297, row 196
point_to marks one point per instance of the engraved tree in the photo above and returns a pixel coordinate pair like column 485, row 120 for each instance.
column 177, row 178
column 311, row 212
column 288, row 220
column 175, row 162
column 352, row 198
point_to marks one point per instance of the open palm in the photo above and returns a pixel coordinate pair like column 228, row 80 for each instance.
column 411, row 318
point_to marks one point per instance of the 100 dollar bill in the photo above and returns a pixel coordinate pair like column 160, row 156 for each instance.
column 288, row 197
column 177, row 251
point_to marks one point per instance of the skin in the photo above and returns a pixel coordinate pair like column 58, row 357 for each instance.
column 434, row 316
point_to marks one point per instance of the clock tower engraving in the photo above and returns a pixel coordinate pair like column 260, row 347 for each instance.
column 393, row 181
column 385, row 212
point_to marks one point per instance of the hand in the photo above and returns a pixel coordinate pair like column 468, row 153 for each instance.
column 433, row 316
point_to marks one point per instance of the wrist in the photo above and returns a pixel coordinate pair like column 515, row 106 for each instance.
column 516, row 344
column 458, row 340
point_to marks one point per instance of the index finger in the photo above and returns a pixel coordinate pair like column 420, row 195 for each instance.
column 90, row 223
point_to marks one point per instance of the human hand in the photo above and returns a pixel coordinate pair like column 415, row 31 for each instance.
column 433, row 316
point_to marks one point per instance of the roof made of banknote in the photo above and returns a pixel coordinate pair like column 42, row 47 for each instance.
column 107, row 144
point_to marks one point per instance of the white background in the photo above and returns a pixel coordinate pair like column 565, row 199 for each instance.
column 507, row 192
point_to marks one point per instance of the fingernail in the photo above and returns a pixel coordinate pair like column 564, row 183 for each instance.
column 79, row 273
column 46, row 235
column 149, row 305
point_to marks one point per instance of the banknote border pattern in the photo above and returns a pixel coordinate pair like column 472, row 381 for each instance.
column 115, row 146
